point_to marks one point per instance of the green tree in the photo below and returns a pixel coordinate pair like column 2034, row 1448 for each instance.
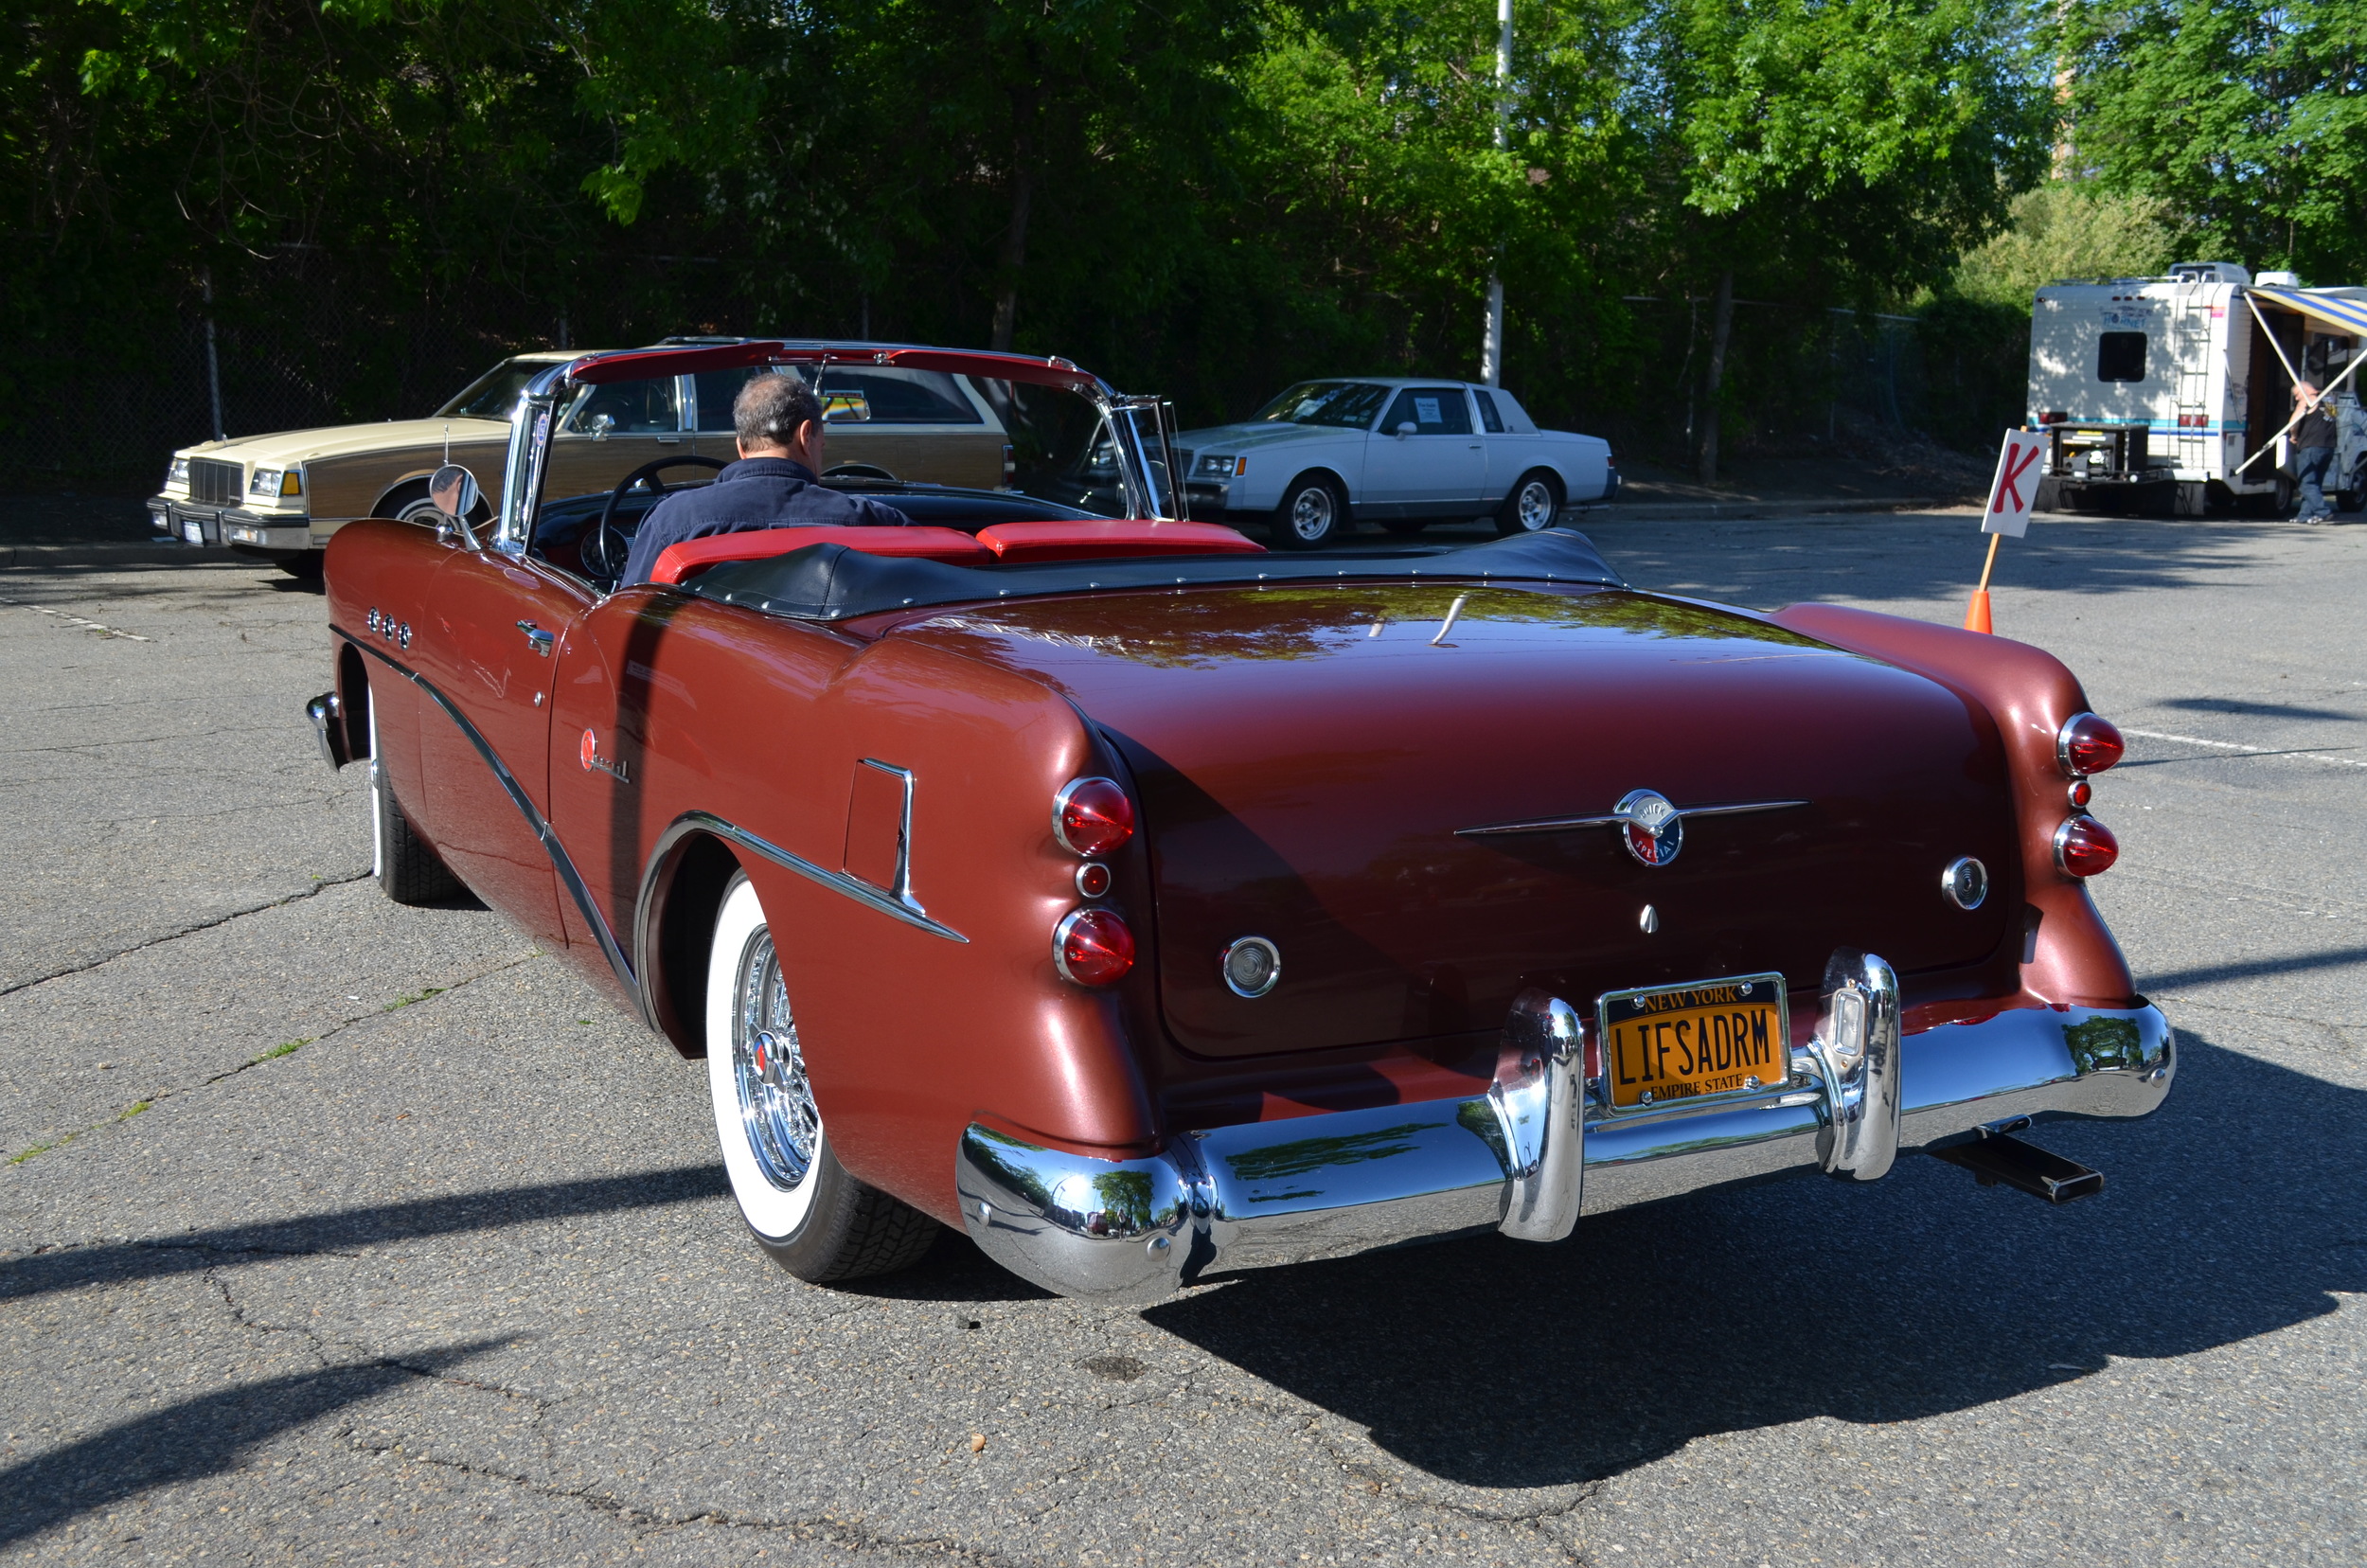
column 2068, row 228
column 2250, row 120
column 1839, row 149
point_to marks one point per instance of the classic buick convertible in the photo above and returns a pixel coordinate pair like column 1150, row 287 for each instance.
column 1152, row 907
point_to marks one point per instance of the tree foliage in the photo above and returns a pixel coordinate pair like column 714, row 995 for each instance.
column 2248, row 120
column 1207, row 197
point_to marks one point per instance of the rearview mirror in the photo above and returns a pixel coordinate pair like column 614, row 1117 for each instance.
column 1405, row 427
column 452, row 491
column 600, row 424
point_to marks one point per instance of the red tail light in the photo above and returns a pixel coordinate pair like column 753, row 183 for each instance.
column 1092, row 947
column 2088, row 745
column 2084, row 847
column 1091, row 816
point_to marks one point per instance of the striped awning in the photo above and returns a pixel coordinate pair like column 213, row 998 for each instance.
column 2345, row 314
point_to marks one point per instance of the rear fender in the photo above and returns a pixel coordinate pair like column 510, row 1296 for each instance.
column 2068, row 954
column 915, row 1027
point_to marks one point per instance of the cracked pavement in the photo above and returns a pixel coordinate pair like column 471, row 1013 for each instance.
column 342, row 1233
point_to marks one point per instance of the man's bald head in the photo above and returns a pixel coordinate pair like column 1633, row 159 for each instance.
column 778, row 416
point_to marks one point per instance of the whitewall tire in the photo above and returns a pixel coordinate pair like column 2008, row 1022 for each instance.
column 803, row 1208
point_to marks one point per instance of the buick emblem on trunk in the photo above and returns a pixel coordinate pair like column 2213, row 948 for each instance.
column 1652, row 829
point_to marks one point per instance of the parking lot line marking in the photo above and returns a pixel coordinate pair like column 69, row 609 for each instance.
column 77, row 623
column 2249, row 750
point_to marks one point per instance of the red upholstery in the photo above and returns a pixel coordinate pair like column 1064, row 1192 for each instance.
column 693, row 556
column 1108, row 541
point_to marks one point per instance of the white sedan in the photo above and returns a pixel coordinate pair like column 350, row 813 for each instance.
column 1403, row 453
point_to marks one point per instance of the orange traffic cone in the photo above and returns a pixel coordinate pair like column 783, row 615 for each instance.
column 1977, row 613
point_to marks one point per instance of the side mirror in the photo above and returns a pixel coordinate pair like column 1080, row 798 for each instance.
column 1405, row 428
column 600, row 424
column 452, row 492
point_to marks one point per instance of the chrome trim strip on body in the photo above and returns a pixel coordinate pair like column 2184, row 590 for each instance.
column 561, row 862
column 1327, row 1185
column 1563, row 825
column 837, row 882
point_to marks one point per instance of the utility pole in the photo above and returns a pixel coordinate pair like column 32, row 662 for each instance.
column 213, row 361
column 1492, row 341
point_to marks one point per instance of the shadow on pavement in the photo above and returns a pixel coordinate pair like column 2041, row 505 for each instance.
column 1908, row 555
column 2208, row 974
column 197, row 1437
column 77, row 1268
column 1494, row 1363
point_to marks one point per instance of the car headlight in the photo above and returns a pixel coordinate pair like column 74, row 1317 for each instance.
column 266, row 482
column 1216, row 465
column 178, row 473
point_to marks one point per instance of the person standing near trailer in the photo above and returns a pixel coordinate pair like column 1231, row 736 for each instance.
column 2312, row 443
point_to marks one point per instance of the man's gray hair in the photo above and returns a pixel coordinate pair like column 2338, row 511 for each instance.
column 770, row 409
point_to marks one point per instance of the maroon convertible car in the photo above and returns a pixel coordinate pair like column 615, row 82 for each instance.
column 1152, row 907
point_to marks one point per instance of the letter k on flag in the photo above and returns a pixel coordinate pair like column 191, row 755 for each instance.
column 2015, row 490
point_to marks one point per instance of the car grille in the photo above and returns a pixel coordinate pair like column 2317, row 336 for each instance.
column 215, row 483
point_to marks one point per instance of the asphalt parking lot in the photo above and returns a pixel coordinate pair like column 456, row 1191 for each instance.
column 334, row 1232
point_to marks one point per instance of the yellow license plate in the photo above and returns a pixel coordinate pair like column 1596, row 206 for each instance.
column 1706, row 1039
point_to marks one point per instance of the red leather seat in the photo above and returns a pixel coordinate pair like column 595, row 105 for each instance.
column 693, row 556
column 1075, row 541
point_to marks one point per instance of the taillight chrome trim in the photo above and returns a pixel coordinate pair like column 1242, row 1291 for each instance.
column 1059, row 810
column 2063, row 744
column 2062, row 837
column 1075, row 917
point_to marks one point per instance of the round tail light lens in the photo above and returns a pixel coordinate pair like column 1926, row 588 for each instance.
column 2088, row 745
column 1092, row 947
column 1091, row 817
column 2084, row 847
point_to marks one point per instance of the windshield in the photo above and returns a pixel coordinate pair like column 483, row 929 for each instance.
column 1349, row 405
column 1060, row 447
column 492, row 394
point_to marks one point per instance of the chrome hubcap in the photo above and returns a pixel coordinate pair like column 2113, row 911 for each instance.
column 1537, row 505
column 1310, row 513
column 775, row 1100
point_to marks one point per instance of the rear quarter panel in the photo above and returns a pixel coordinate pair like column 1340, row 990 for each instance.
column 1583, row 462
column 2069, row 955
column 909, row 1036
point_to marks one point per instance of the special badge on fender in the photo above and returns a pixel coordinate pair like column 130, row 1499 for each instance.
column 588, row 753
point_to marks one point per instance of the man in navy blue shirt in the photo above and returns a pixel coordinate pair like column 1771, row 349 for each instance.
column 777, row 482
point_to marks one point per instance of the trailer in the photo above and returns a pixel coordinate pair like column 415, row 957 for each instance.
column 2171, row 396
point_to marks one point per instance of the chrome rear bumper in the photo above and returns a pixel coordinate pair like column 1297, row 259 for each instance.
column 1537, row 1151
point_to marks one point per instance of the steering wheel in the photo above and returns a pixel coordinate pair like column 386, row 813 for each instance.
column 606, row 546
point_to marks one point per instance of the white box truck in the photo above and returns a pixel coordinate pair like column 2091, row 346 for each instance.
column 2158, row 394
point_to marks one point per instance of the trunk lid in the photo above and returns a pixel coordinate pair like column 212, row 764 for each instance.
column 1304, row 756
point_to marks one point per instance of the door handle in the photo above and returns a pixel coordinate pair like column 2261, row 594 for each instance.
column 669, row 440
column 540, row 638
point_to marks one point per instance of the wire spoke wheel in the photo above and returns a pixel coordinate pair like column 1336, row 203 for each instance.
column 776, row 1097
column 804, row 1209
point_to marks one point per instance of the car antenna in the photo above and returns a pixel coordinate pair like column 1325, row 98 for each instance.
column 448, row 446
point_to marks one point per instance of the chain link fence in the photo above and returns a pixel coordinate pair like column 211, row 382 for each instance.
column 298, row 342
